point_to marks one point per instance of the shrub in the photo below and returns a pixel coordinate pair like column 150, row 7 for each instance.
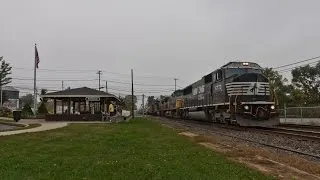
column 26, row 111
column 42, row 109
column 4, row 112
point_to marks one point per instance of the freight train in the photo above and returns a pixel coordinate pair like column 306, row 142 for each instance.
column 237, row 93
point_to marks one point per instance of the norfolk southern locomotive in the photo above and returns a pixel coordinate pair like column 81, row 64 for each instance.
column 237, row 93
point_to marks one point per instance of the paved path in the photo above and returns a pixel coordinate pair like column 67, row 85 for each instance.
column 7, row 127
column 43, row 127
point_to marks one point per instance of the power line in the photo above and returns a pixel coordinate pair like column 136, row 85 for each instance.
column 139, row 91
column 139, row 84
column 62, row 83
column 114, row 89
column 59, row 80
column 143, row 89
column 289, row 69
column 119, row 82
column 297, row 62
column 86, row 70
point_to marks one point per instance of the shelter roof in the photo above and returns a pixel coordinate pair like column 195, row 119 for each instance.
column 79, row 92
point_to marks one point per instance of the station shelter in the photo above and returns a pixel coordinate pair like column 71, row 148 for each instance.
column 79, row 104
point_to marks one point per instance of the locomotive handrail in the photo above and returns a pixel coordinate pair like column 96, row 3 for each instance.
column 235, row 107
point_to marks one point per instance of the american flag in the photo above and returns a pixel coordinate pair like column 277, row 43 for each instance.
column 37, row 60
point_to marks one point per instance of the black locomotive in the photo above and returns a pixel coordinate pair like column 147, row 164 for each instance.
column 237, row 93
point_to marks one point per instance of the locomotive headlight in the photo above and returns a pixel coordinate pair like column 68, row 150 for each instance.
column 272, row 107
column 246, row 107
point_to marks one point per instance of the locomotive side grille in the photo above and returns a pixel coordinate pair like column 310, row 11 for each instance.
column 248, row 88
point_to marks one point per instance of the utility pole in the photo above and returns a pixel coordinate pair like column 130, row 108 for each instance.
column 143, row 105
column 62, row 85
column 132, row 109
column 175, row 84
column 106, row 86
column 99, row 73
column 36, row 61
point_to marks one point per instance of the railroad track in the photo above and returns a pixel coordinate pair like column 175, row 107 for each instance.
column 301, row 127
column 313, row 135
column 204, row 126
column 309, row 132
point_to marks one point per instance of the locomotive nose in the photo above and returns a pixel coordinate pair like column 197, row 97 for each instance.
column 262, row 113
column 250, row 77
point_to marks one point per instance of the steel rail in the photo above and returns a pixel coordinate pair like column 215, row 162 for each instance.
column 241, row 138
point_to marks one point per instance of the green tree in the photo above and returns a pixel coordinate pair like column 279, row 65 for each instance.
column 122, row 103
column 5, row 78
column 278, row 86
column 4, row 97
column 27, row 99
column 26, row 111
column 128, row 102
column 298, row 97
column 307, row 80
column 42, row 108
column 150, row 100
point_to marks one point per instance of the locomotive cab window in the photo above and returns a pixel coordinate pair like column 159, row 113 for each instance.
column 234, row 72
column 208, row 78
column 219, row 75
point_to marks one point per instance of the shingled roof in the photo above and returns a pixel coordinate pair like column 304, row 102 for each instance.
column 79, row 92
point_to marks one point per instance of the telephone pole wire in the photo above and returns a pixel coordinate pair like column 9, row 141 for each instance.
column 99, row 73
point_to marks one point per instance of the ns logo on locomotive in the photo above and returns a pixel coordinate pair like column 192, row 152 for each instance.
column 237, row 93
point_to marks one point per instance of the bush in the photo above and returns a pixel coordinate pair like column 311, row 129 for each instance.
column 5, row 112
column 10, row 115
column 26, row 111
column 42, row 109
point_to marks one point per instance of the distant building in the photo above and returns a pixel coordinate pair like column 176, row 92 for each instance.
column 13, row 97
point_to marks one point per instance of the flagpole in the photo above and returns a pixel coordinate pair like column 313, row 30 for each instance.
column 34, row 82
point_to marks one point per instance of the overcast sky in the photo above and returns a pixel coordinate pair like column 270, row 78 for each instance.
column 182, row 39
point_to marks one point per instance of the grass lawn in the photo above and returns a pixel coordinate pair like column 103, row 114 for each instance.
column 140, row 149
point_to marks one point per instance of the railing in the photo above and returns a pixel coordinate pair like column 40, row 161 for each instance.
column 300, row 115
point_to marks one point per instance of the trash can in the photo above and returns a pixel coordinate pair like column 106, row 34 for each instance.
column 16, row 115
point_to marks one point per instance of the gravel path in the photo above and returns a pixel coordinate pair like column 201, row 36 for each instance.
column 288, row 142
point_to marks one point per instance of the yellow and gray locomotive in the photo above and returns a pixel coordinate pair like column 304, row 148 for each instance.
column 237, row 93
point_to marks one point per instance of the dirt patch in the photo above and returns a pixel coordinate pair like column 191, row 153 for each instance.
column 167, row 126
column 189, row 134
column 280, row 165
